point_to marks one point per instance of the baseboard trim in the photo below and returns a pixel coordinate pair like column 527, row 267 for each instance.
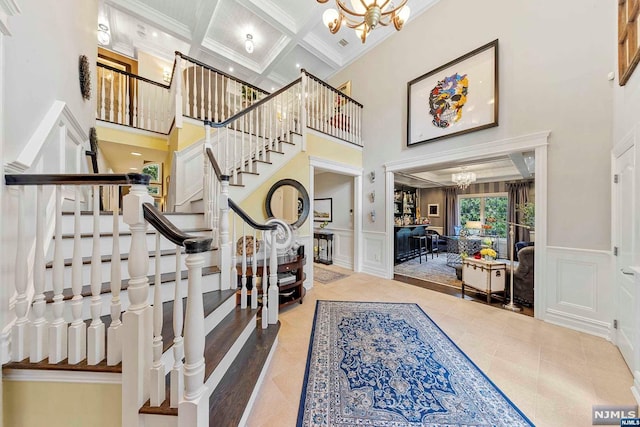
column 579, row 323
column 36, row 375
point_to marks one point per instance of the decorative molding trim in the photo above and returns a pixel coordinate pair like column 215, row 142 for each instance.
column 500, row 147
column 57, row 376
column 152, row 17
column 373, row 261
column 58, row 114
column 8, row 8
column 345, row 260
column 579, row 323
column 336, row 167
column 334, row 139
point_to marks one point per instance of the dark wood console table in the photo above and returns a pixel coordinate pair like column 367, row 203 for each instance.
column 289, row 292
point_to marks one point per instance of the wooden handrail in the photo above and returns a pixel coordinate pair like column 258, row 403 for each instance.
column 133, row 76
column 222, row 73
column 216, row 167
column 252, row 106
column 192, row 244
column 246, row 218
column 77, row 179
column 328, row 86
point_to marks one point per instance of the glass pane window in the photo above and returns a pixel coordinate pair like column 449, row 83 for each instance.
column 489, row 209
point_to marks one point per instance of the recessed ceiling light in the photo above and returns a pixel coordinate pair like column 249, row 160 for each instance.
column 154, row 34
column 231, row 69
column 273, row 88
column 133, row 169
column 297, row 65
column 134, row 153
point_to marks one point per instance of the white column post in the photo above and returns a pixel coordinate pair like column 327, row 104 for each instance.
column 303, row 109
column 273, row 280
column 207, row 185
column 177, row 81
column 193, row 410
column 58, row 328
column 137, row 321
column 177, row 375
column 39, row 334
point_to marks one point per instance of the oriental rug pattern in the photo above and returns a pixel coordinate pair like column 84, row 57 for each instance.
column 389, row 364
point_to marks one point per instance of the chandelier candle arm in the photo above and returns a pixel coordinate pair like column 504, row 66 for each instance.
column 365, row 15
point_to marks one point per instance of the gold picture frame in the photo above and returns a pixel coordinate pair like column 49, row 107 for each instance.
column 345, row 88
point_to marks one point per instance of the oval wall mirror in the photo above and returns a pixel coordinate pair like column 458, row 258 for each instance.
column 288, row 200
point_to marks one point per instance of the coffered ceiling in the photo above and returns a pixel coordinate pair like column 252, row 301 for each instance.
column 287, row 34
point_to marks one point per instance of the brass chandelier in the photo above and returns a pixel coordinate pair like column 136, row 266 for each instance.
column 364, row 15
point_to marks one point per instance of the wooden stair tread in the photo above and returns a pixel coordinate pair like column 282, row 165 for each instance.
column 217, row 344
column 248, row 173
column 228, row 401
column 105, row 288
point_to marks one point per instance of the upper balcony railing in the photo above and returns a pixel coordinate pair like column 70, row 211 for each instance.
column 201, row 92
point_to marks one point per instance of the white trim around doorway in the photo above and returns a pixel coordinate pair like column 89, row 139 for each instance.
column 537, row 142
column 356, row 173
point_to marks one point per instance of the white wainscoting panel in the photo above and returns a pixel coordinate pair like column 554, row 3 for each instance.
column 373, row 253
column 579, row 290
column 342, row 247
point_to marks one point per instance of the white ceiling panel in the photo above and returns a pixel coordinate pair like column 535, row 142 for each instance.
column 183, row 11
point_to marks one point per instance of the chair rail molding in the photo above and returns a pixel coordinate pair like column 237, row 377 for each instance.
column 537, row 142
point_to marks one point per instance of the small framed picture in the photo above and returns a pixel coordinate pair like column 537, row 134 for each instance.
column 323, row 210
column 433, row 210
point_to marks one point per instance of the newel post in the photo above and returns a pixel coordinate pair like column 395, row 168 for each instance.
column 177, row 82
column 137, row 321
column 193, row 410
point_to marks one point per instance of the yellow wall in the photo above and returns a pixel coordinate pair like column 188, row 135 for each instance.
column 145, row 140
column 298, row 168
column 33, row 404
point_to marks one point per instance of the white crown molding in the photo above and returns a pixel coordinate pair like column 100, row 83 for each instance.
column 60, row 376
column 330, row 55
column 58, row 113
column 273, row 14
column 504, row 146
column 8, row 8
column 152, row 17
column 219, row 49
column 335, row 167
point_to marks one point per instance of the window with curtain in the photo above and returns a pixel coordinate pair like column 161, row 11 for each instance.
column 489, row 209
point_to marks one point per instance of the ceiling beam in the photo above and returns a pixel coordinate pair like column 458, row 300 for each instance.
column 204, row 17
column 518, row 161
column 152, row 17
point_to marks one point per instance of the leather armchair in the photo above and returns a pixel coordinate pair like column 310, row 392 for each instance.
column 523, row 277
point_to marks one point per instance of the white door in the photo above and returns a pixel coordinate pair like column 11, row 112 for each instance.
column 623, row 198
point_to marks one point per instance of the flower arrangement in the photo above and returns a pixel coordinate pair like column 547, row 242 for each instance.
column 324, row 224
column 488, row 252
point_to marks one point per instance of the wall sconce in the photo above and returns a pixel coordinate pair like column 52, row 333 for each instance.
column 104, row 35
column 372, row 215
column 166, row 74
column 372, row 176
column 372, row 196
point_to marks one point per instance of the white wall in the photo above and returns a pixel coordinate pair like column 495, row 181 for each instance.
column 42, row 65
column 553, row 64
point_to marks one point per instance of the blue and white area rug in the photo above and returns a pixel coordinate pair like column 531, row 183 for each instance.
column 389, row 364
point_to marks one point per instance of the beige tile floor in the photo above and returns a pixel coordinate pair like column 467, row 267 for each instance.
column 553, row 374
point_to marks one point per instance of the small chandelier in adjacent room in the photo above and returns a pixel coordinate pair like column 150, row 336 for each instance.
column 463, row 179
column 104, row 38
column 364, row 15
column 248, row 43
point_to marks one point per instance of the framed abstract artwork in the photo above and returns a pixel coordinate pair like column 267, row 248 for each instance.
column 458, row 97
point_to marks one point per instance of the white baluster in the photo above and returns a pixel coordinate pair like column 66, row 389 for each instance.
column 177, row 82
column 194, row 409
column 209, row 116
column 111, row 98
column 177, row 376
column 254, row 273
column 39, row 334
column 225, row 244
column 120, row 98
column 137, row 334
column 233, row 273
column 135, row 123
column 243, row 281
column 157, row 387
column 114, row 332
column 202, row 116
column 215, row 99
column 77, row 329
column 194, row 107
column 20, row 329
column 96, row 330
column 265, row 281
column 127, row 104
column 187, row 109
column 273, row 280
column 103, row 114
column 58, row 327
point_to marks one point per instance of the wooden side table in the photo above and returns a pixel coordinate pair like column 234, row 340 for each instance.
column 289, row 292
